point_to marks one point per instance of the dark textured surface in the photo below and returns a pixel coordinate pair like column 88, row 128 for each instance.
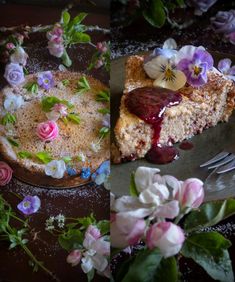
column 77, row 202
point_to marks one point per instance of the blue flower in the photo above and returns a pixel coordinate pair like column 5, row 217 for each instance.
column 101, row 173
column 29, row 205
column 86, row 173
column 71, row 171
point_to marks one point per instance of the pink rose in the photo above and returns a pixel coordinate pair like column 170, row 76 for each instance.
column 167, row 236
column 93, row 231
column 47, row 131
column 74, row 257
column 126, row 230
column 5, row 173
column 191, row 193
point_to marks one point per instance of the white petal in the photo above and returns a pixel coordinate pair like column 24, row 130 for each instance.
column 187, row 51
column 153, row 67
column 87, row 264
column 148, row 197
column 144, row 177
column 170, row 43
column 99, row 262
column 176, row 84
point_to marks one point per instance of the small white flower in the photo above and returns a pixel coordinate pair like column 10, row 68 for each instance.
column 19, row 56
column 55, row 169
column 13, row 102
column 95, row 147
column 50, row 223
column 60, row 220
column 81, row 157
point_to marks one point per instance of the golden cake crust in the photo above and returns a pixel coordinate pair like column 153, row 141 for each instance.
column 73, row 138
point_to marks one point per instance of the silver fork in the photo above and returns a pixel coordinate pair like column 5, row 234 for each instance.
column 221, row 163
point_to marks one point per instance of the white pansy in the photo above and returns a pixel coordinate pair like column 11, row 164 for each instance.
column 144, row 177
column 95, row 147
column 55, row 169
column 13, row 102
column 170, row 43
column 19, row 56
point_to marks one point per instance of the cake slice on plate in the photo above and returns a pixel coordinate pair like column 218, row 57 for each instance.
column 152, row 118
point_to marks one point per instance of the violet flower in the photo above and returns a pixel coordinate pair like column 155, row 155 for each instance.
column 29, row 205
column 196, row 68
column 224, row 22
column 224, row 66
column 45, row 80
column 201, row 6
column 14, row 74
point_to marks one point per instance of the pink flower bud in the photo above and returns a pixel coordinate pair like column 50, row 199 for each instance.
column 74, row 257
column 60, row 108
column 126, row 230
column 191, row 193
column 10, row 46
column 101, row 46
column 93, row 231
column 47, row 131
column 5, row 174
column 167, row 236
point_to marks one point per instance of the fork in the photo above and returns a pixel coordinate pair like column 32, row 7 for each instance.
column 222, row 162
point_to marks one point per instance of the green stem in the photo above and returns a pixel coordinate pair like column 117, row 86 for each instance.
column 17, row 218
column 65, row 59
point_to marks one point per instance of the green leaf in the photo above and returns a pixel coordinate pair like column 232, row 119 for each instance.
column 44, row 157
column 65, row 17
column 13, row 142
column 79, row 18
column 86, row 221
column 104, row 111
column 155, row 13
column 32, row 87
column 80, row 37
column 104, row 131
column 103, row 226
column 90, row 275
column 74, row 118
column 83, row 85
column 25, row 155
column 133, row 190
column 8, row 119
column 65, row 82
column 209, row 250
column 171, row 275
column 67, row 159
column 144, row 266
column 71, row 240
column 49, row 102
column 209, row 214
column 103, row 96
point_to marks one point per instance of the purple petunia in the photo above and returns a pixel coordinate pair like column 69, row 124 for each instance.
column 195, row 69
column 29, row 205
column 224, row 66
column 45, row 80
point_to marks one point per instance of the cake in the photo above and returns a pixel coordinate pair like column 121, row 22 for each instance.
column 77, row 147
column 182, row 117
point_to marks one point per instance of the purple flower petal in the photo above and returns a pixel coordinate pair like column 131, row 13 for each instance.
column 204, row 57
column 45, row 80
column 224, row 65
column 29, row 205
column 231, row 71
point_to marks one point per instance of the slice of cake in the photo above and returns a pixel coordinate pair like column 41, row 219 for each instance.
column 52, row 128
column 175, row 118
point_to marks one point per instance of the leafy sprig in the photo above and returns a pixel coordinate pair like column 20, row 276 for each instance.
column 8, row 119
column 43, row 157
column 83, row 85
column 32, row 87
column 49, row 102
column 103, row 96
column 104, row 131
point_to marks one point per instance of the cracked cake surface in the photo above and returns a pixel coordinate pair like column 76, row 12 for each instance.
column 200, row 108
column 73, row 138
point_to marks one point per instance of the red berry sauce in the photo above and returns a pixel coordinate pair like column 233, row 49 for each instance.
column 186, row 145
column 149, row 104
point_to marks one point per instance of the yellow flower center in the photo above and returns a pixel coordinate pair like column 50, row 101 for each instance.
column 26, row 204
column 168, row 74
column 197, row 70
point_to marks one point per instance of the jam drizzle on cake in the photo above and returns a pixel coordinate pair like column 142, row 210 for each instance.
column 149, row 104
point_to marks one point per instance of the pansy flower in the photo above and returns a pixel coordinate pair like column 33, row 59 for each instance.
column 29, row 205
column 195, row 66
column 45, row 80
column 224, row 66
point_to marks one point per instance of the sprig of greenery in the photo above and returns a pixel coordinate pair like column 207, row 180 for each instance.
column 8, row 119
column 65, row 82
column 13, row 142
column 103, row 96
column 44, row 157
column 104, row 131
column 83, row 85
column 74, row 118
column 32, row 87
column 49, row 102
column 104, row 111
column 104, row 57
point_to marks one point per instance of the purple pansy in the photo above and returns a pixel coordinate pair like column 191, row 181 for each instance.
column 29, row 205
column 201, row 6
column 224, row 66
column 45, row 80
column 196, row 68
column 224, row 22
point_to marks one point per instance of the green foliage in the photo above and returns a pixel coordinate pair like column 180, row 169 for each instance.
column 104, row 131
column 13, row 142
column 83, row 85
column 133, row 190
column 8, row 119
column 155, row 13
column 209, row 250
column 49, row 102
column 44, row 157
column 74, row 118
column 103, row 96
column 209, row 214
column 101, row 56
column 25, row 155
column 67, row 159
column 167, row 270
column 32, row 87
column 71, row 239
column 65, row 82
column 104, row 111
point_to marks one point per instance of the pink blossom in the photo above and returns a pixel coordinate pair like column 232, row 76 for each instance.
column 191, row 193
column 55, row 35
column 5, row 173
column 60, row 108
column 74, row 257
column 55, row 49
column 126, row 230
column 93, row 231
column 167, row 236
column 10, row 46
column 47, row 131
column 102, row 47
column 168, row 210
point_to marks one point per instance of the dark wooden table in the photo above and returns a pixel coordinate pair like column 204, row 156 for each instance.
column 77, row 202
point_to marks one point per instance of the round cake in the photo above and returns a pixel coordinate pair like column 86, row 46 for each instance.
column 54, row 128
